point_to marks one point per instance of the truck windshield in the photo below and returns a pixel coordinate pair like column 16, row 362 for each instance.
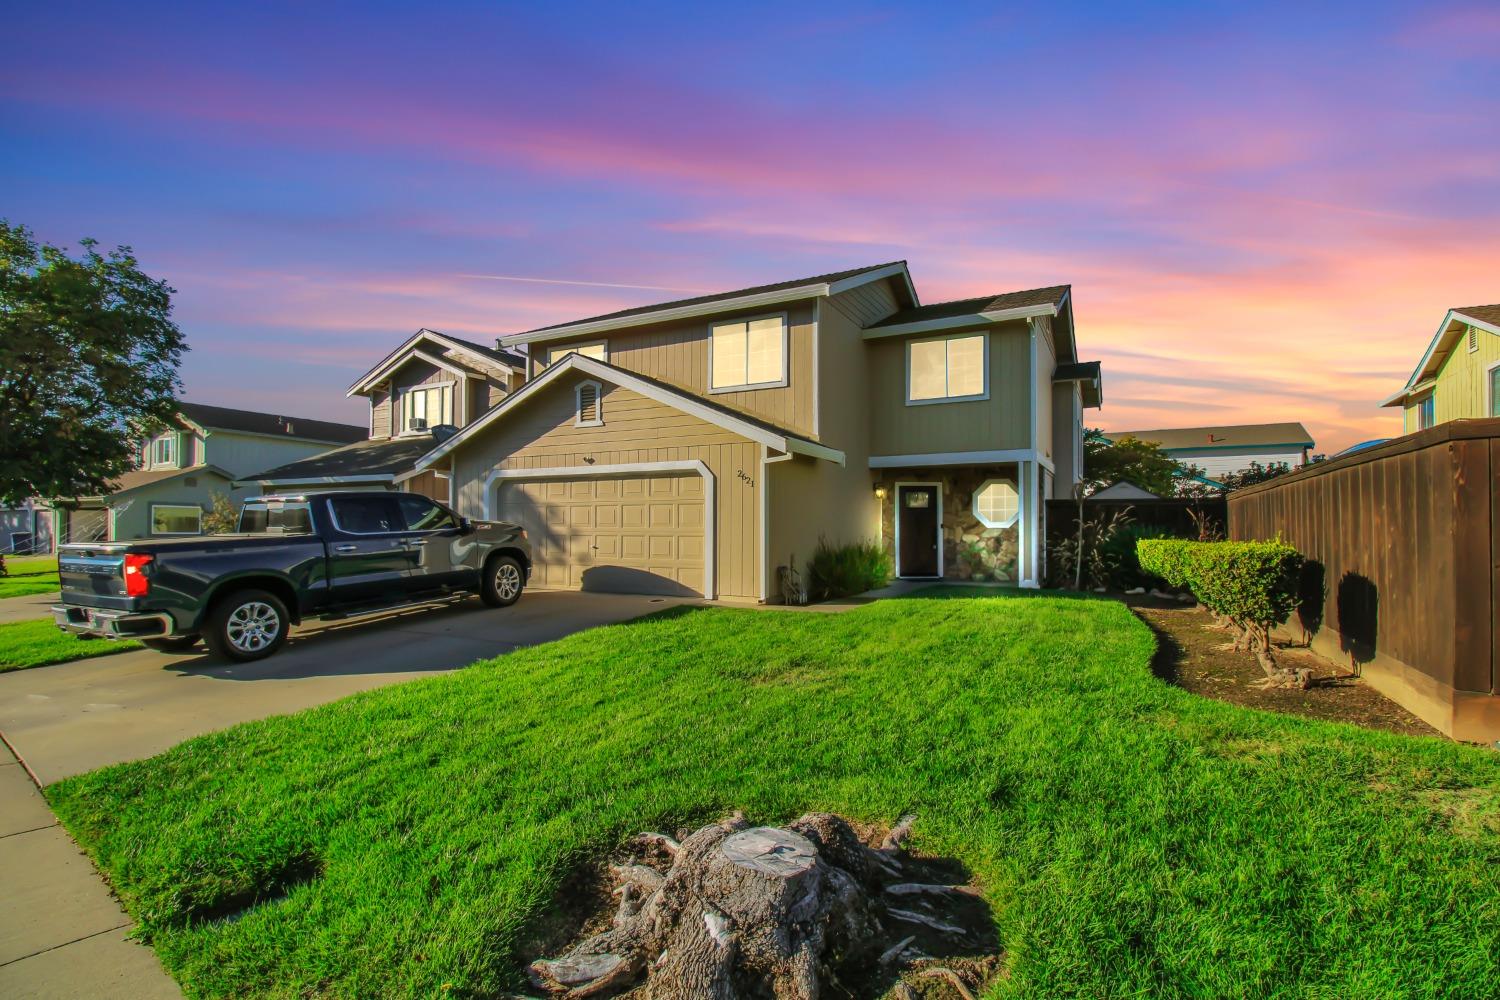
column 284, row 517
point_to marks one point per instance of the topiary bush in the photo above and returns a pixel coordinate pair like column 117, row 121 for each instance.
column 838, row 571
column 1250, row 587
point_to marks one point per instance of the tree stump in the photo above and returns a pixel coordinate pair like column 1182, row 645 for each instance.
column 743, row 911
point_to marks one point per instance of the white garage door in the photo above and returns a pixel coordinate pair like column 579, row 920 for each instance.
column 619, row 534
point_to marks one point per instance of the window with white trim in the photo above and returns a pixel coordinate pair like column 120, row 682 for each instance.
column 164, row 452
column 997, row 503
column 1495, row 390
column 747, row 354
column 176, row 519
column 942, row 369
column 598, row 350
column 425, row 407
column 1426, row 413
column 590, row 407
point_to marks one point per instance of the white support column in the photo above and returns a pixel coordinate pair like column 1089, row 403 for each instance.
column 1030, row 527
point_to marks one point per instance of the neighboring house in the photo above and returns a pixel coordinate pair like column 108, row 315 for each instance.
column 1123, row 489
column 1459, row 375
column 432, row 384
column 26, row 529
column 1231, row 448
column 704, row 446
column 180, row 470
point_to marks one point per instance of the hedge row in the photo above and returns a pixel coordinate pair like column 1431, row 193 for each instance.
column 1254, row 584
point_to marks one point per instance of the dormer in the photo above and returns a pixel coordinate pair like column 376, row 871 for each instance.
column 434, row 379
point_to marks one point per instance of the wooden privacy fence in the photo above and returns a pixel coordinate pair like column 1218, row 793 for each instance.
column 1403, row 574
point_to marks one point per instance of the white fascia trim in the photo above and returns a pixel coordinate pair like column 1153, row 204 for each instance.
column 666, row 315
column 869, row 277
column 1491, row 327
column 1432, row 347
column 576, row 362
column 951, row 322
column 414, row 473
column 1406, row 394
column 404, row 355
column 319, row 480
column 954, row 458
column 710, row 554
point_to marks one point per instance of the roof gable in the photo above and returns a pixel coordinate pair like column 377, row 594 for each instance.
column 454, row 349
column 706, row 409
column 1449, row 331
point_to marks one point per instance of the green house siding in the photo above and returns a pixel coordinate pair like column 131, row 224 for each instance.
column 1464, row 382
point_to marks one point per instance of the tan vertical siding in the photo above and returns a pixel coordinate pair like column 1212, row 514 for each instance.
column 1001, row 422
column 636, row 429
column 677, row 353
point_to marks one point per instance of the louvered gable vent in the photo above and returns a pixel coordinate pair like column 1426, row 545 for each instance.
column 589, row 413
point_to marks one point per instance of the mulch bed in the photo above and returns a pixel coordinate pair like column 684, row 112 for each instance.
column 1191, row 655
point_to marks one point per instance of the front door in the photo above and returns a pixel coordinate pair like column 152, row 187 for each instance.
column 918, row 517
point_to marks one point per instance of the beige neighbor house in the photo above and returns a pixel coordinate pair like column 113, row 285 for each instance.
column 704, row 446
column 180, row 470
column 430, row 386
column 1459, row 375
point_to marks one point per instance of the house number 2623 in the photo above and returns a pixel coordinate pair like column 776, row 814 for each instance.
column 749, row 481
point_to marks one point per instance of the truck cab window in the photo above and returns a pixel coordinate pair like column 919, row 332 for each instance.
column 366, row 515
column 424, row 515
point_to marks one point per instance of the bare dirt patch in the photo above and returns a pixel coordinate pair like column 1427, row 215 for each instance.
column 1193, row 656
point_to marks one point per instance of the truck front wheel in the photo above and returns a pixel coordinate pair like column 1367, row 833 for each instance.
column 247, row 625
column 502, row 581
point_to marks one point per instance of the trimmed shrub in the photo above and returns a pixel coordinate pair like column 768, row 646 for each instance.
column 1250, row 586
column 1118, row 553
column 846, row 569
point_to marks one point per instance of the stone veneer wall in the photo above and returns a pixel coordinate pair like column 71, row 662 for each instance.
column 971, row 551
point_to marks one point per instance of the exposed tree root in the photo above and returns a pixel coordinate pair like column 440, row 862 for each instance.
column 805, row 911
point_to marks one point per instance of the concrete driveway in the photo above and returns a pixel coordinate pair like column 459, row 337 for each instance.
column 73, row 717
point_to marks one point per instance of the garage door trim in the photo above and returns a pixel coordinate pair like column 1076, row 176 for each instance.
column 710, row 551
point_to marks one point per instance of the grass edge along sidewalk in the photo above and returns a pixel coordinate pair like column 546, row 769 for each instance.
column 1131, row 838
column 39, row 643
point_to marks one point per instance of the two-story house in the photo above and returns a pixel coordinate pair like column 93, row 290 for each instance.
column 1459, row 375
column 180, row 469
column 430, row 386
column 699, row 446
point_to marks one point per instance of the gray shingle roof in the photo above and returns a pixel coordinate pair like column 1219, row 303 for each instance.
column 817, row 279
column 364, row 458
column 1485, row 314
column 1223, row 436
column 254, row 422
column 1051, row 295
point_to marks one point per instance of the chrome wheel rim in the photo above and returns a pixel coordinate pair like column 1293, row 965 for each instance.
column 507, row 581
column 253, row 626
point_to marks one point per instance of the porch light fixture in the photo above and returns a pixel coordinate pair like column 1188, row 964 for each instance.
column 879, row 491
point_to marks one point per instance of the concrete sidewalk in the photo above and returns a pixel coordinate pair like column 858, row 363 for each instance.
column 62, row 934
column 19, row 609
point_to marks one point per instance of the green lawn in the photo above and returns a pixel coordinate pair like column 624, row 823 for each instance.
column 38, row 642
column 29, row 575
column 1133, row 840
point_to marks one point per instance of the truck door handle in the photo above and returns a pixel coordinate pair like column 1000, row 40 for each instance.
column 346, row 547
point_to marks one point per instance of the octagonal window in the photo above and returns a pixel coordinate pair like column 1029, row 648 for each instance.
column 997, row 504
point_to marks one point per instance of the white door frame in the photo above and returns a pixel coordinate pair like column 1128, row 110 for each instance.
column 710, row 550
column 896, row 518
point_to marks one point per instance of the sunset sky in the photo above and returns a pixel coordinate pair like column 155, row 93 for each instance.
column 1263, row 209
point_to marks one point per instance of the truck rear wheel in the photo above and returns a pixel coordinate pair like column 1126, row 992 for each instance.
column 247, row 625
column 501, row 582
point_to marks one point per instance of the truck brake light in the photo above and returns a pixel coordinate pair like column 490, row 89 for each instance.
column 137, row 584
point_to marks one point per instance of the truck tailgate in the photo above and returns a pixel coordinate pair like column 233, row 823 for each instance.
column 91, row 575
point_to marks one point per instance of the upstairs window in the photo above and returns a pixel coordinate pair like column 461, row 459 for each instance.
column 425, row 407
column 164, row 452
column 599, row 351
column 1426, row 413
column 1495, row 391
column 590, row 409
column 943, row 369
column 747, row 354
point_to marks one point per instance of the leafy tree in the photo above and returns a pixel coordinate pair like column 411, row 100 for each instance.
column 88, row 365
column 222, row 518
column 1140, row 462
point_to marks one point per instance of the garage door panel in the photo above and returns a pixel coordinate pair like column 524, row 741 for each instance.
column 635, row 534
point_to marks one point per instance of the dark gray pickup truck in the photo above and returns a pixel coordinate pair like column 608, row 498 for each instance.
column 324, row 555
